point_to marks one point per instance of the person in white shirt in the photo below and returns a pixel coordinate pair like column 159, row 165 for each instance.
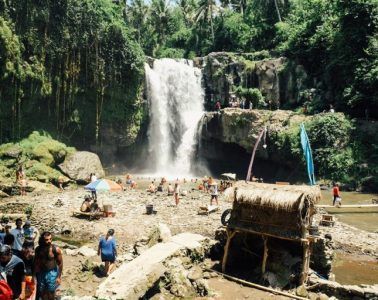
column 213, row 192
column 19, row 237
column 93, row 178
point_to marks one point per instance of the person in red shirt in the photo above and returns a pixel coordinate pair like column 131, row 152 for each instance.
column 217, row 106
column 335, row 192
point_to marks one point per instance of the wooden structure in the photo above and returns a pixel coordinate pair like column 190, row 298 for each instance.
column 273, row 211
column 350, row 208
column 327, row 220
column 90, row 215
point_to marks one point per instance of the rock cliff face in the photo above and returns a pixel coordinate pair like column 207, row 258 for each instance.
column 242, row 126
column 280, row 81
column 228, row 138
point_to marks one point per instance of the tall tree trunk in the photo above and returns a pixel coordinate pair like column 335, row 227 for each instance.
column 278, row 11
column 211, row 22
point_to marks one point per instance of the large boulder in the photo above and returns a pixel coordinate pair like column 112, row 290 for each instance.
column 81, row 164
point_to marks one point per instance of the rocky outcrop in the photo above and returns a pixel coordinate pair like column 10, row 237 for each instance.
column 331, row 288
column 242, row 126
column 81, row 164
column 132, row 280
column 279, row 80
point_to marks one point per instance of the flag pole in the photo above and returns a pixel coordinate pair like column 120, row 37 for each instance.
column 249, row 173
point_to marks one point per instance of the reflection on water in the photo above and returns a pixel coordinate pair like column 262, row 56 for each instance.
column 351, row 270
column 365, row 221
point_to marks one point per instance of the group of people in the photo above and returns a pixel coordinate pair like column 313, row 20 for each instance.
column 171, row 190
column 29, row 272
column 243, row 104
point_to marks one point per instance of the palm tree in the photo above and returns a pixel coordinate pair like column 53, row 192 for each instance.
column 160, row 16
column 205, row 13
column 138, row 15
column 188, row 9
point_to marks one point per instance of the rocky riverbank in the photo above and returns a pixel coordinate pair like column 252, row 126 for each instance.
column 53, row 211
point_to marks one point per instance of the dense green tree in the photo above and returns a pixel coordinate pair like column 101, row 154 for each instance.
column 70, row 72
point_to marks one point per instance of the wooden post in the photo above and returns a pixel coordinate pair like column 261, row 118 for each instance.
column 305, row 263
column 230, row 235
column 265, row 255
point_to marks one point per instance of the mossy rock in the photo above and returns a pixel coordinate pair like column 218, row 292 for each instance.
column 41, row 147
column 9, row 163
column 36, row 170
column 10, row 150
column 5, row 171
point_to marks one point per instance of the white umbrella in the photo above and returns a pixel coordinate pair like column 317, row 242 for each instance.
column 229, row 175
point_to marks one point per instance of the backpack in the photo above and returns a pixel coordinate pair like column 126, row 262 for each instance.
column 6, row 292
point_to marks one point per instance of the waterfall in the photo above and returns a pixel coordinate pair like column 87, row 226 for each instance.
column 176, row 101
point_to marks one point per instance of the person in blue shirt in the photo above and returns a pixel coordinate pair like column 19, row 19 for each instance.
column 108, row 251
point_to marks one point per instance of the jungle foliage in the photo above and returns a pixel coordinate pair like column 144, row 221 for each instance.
column 335, row 40
column 66, row 66
column 75, row 68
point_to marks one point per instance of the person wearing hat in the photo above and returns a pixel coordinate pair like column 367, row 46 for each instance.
column 30, row 232
column 213, row 191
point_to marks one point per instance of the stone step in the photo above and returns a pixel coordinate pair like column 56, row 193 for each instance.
column 133, row 279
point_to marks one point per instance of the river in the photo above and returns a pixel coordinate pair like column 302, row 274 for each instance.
column 365, row 221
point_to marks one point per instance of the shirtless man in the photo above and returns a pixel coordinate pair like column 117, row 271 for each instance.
column 48, row 266
column 86, row 205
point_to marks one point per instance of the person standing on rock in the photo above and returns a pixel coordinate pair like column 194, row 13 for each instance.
column 19, row 237
column 218, row 106
column 20, row 173
column 48, row 266
column 176, row 193
column 213, row 191
column 93, row 178
column 107, row 249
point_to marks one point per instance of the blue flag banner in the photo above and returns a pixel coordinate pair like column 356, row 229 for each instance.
column 308, row 155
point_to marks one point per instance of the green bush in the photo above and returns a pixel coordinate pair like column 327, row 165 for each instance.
column 41, row 147
column 36, row 170
column 170, row 53
column 329, row 136
column 251, row 94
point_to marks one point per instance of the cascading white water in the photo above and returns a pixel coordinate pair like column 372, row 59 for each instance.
column 176, row 105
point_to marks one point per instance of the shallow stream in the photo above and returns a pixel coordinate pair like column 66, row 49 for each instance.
column 350, row 269
column 366, row 221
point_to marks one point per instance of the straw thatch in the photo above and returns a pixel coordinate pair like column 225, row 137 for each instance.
column 278, row 197
column 281, row 210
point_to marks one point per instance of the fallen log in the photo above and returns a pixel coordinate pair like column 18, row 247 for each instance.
column 257, row 286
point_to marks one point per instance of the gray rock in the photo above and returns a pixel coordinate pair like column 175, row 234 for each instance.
column 87, row 252
column 195, row 273
column 3, row 194
column 201, row 287
column 72, row 252
column 81, row 164
column 13, row 151
column 164, row 232
column 301, row 291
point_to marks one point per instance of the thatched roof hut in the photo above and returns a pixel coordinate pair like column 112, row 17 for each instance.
column 273, row 211
column 278, row 210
